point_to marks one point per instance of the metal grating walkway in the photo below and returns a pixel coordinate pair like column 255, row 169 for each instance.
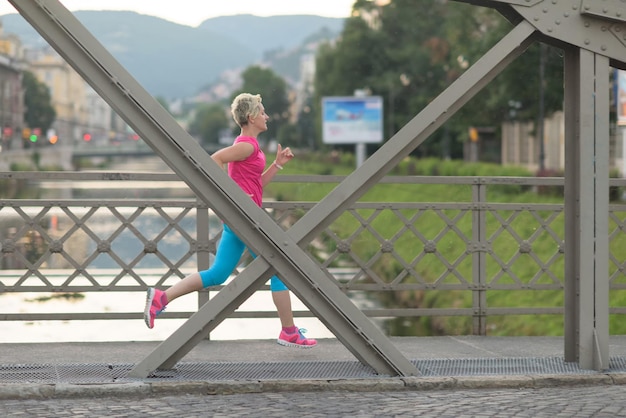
column 310, row 370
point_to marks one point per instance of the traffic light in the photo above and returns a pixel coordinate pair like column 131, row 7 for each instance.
column 473, row 134
column 86, row 137
column 34, row 135
column 52, row 136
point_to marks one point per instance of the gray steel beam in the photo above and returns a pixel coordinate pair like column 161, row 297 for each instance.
column 335, row 203
column 572, row 174
column 194, row 166
column 595, row 25
column 504, row 9
column 605, row 9
column 600, row 200
column 586, row 206
column 566, row 21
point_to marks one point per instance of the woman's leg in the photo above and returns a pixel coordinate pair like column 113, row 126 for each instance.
column 191, row 283
column 290, row 335
column 227, row 257
column 282, row 301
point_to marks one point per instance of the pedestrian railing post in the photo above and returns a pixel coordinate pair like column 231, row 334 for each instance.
column 479, row 269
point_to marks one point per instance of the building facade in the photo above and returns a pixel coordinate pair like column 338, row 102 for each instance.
column 68, row 93
column 11, row 92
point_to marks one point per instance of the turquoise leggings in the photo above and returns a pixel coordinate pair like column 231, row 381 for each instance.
column 229, row 251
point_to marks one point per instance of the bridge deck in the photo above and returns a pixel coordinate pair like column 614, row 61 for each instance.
column 81, row 369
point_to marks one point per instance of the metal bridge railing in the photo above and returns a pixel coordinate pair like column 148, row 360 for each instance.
column 393, row 255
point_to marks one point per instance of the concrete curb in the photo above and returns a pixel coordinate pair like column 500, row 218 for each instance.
column 148, row 389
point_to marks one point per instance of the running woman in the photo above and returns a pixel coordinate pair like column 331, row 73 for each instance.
column 246, row 166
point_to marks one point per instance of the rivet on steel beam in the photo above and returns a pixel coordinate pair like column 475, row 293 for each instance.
column 566, row 14
column 603, row 28
column 545, row 10
column 603, row 47
column 557, row 22
column 587, row 24
column 549, row 29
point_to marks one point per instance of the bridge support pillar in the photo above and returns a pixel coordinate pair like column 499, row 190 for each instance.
column 586, row 208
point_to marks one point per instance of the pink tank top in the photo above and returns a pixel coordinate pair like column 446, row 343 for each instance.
column 247, row 173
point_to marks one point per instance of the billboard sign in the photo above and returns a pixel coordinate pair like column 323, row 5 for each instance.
column 352, row 120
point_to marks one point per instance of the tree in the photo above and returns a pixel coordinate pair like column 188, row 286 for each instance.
column 354, row 62
column 39, row 111
column 409, row 53
column 273, row 90
column 395, row 51
column 209, row 121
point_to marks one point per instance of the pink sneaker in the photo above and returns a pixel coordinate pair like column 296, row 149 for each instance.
column 155, row 304
column 296, row 339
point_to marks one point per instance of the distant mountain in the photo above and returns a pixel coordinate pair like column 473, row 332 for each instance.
column 175, row 61
column 271, row 33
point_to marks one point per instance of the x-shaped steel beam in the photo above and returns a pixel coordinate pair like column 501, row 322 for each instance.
column 278, row 250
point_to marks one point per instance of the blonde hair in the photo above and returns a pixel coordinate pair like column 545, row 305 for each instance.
column 245, row 105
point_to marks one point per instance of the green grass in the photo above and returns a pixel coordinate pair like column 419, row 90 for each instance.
column 523, row 272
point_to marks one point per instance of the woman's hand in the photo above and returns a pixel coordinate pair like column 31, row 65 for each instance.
column 283, row 156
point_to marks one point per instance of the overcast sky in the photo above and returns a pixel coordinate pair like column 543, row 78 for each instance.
column 194, row 12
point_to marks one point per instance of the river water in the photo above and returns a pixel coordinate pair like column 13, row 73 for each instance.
column 133, row 330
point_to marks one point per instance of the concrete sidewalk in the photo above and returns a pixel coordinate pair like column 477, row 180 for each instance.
column 48, row 370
